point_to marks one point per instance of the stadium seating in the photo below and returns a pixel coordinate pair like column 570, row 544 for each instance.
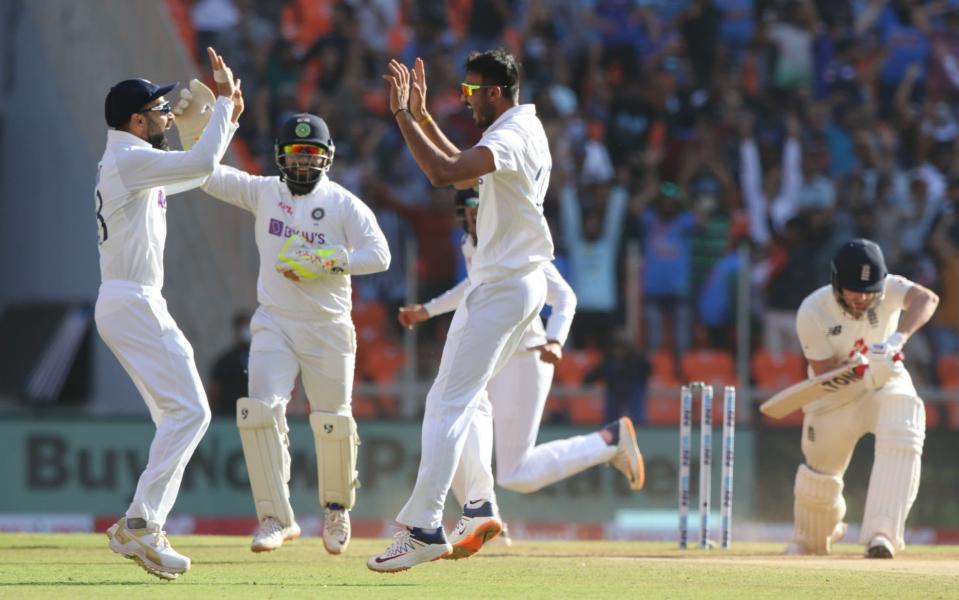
column 773, row 373
column 380, row 363
column 587, row 408
column 662, row 399
column 713, row 367
column 948, row 371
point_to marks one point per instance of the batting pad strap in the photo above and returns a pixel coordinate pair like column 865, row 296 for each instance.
column 819, row 508
column 267, row 460
column 336, row 445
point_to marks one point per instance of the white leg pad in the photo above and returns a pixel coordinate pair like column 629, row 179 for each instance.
column 894, row 481
column 819, row 508
column 267, row 455
column 336, row 445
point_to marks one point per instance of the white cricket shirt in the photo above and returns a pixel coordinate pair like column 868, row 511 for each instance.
column 827, row 331
column 133, row 182
column 559, row 295
column 515, row 234
column 328, row 216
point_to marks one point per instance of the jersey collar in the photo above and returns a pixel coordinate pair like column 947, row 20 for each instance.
column 115, row 137
column 519, row 109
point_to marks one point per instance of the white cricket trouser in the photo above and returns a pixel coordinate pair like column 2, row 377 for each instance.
column 487, row 327
column 517, row 396
column 323, row 353
column 134, row 323
column 896, row 415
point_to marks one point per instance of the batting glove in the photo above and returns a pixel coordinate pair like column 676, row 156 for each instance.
column 884, row 363
column 193, row 112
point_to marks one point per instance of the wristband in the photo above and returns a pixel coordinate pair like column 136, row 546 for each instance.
column 399, row 110
column 426, row 119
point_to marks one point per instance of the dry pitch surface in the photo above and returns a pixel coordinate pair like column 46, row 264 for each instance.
column 81, row 566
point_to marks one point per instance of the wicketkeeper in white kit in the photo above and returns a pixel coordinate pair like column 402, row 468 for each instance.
column 865, row 312
column 513, row 408
column 135, row 176
column 312, row 235
column 511, row 164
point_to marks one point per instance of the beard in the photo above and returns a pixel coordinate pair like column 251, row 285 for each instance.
column 484, row 118
column 158, row 140
column 156, row 137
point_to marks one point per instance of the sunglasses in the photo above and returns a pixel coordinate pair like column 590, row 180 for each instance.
column 304, row 149
column 163, row 109
column 469, row 88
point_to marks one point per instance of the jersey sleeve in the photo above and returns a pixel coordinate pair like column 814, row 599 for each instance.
column 233, row 186
column 896, row 289
column 369, row 252
column 504, row 143
column 142, row 168
column 448, row 300
column 812, row 334
column 561, row 297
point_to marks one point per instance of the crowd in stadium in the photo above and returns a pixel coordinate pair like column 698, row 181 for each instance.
column 686, row 128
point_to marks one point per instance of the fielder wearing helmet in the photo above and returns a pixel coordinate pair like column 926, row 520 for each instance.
column 303, row 152
column 467, row 203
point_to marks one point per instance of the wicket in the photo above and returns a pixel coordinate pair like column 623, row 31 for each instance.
column 706, row 461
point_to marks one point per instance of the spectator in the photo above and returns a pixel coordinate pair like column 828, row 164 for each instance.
column 667, row 228
column 626, row 373
column 231, row 370
column 592, row 242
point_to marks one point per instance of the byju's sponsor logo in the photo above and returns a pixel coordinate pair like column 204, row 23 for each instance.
column 281, row 229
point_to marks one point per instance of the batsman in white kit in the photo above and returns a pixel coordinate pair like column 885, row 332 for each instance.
column 511, row 164
column 312, row 235
column 864, row 313
column 135, row 176
column 510, row 411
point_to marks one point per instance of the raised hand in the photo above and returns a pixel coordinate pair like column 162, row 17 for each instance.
column 238, row 104
column 222, row 75
column 418, row 91
column 411, row 314
column 399, row 80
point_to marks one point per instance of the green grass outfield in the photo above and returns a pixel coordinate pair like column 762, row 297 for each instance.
column 81, row 566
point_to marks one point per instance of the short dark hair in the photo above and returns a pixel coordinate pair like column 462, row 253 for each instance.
column 496, row 67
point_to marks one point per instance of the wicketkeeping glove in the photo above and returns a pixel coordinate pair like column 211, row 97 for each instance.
column 309, row 262
column 193, row 112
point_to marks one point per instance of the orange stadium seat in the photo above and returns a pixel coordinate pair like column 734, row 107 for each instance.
column 662, row 400
column 381, row 363
column 571, row 371
column 774, row 373
column 713, row 367
column 948, row 370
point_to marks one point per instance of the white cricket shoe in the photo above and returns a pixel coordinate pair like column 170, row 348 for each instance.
column 628, row 459
column 478, row 525
column 410, row 547
column 271, row 534
column 336, row 529
column 880, row 547
column 149, row 547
